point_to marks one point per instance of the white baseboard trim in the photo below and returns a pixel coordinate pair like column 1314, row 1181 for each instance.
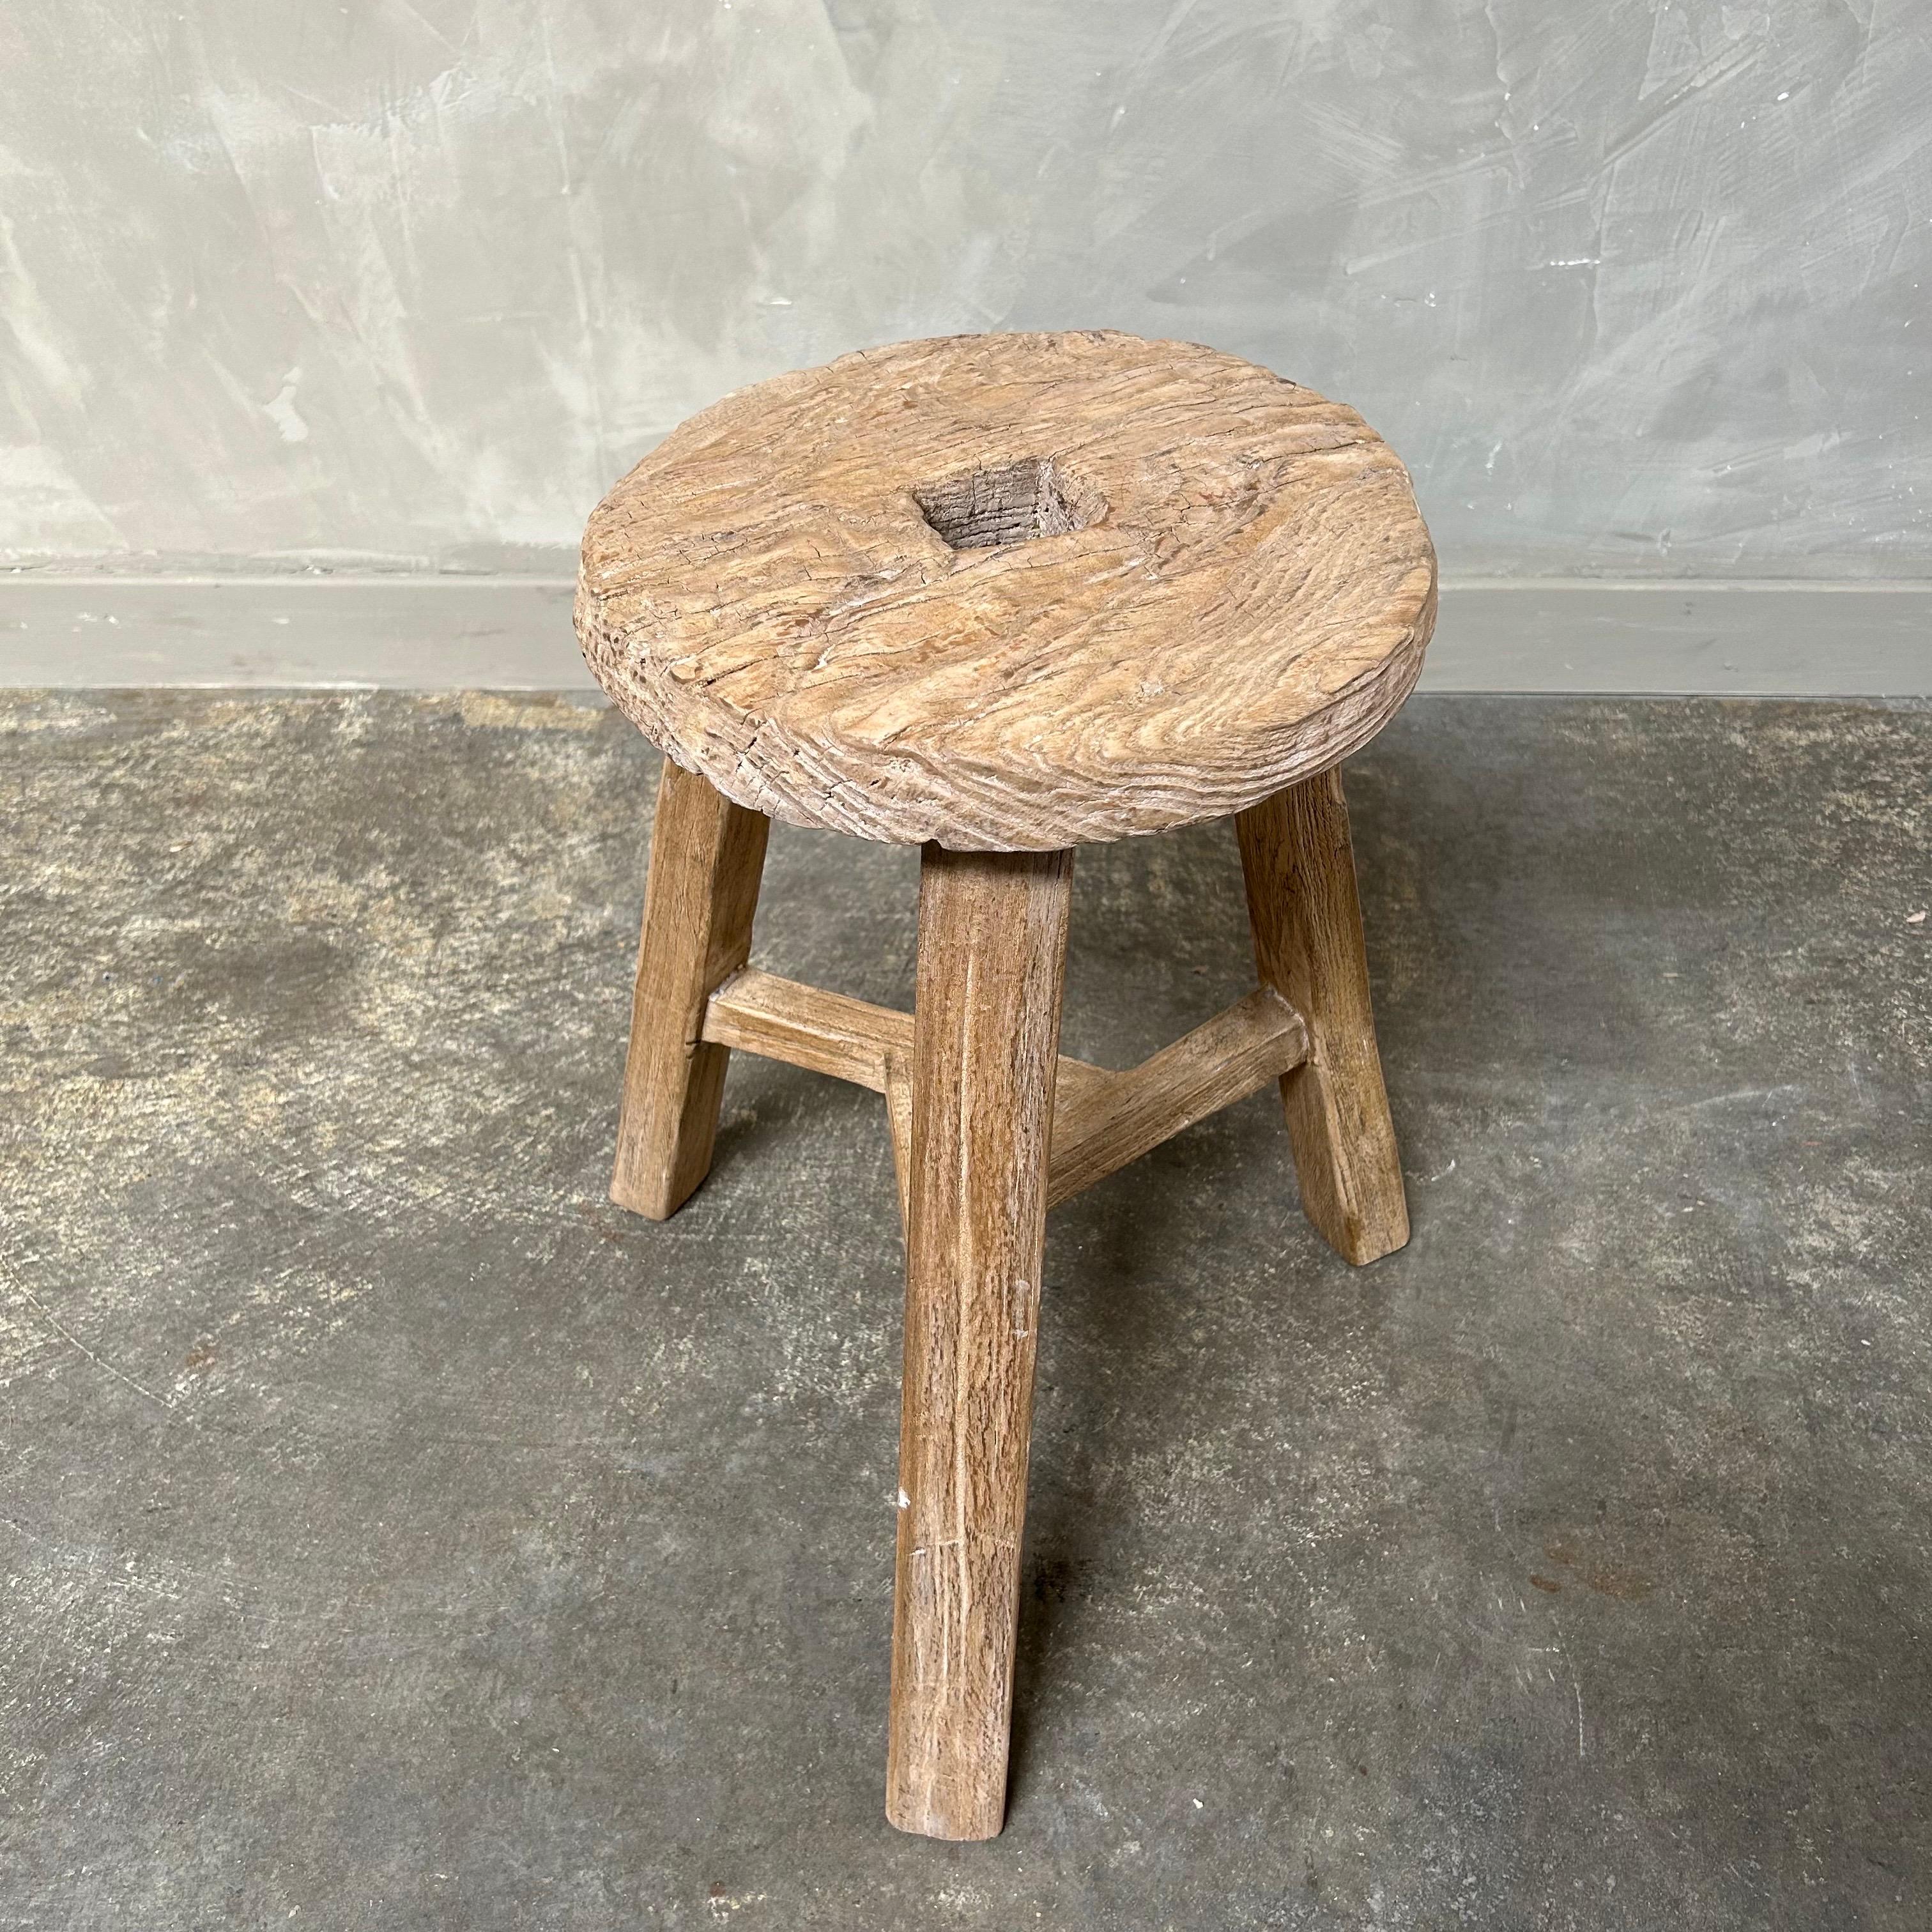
column 409, row 633
column 1721, row 639
column 1796, row 639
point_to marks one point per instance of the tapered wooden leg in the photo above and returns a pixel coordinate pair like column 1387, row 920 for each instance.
column 1307, row 921
column 707, row 855
column 992, row 943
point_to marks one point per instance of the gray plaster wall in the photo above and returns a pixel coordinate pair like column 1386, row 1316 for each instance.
column 1637, row 288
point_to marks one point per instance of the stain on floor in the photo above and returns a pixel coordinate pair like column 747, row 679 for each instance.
column 396, row 1533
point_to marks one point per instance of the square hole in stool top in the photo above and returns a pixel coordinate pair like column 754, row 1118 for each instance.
column 997, row 504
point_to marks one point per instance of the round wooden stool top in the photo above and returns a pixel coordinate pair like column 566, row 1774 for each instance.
column 1009, row 592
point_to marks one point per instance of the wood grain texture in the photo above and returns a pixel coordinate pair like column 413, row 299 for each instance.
column 834, row 1033
column 707, row 855
column 1129, row 1113
column 898, row 1124
column 1102, row 1119
column 1177, row 583
column 992, row 941
column 1306, row 918
column 809, row 1026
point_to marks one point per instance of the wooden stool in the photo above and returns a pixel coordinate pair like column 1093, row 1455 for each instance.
column 997, row 594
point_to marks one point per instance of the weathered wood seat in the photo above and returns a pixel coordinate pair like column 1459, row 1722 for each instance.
column 1008, row 592
column 999, row 595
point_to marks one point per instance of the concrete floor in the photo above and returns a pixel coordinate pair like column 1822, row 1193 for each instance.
column 397, row 1535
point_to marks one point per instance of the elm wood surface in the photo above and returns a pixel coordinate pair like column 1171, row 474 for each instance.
column 898, row 1125
column 999, row 594
column 1175, row 583
column 828, row 1032
column 1306, row 919
column 707, row 855
column 992, row 945
column 1128, row 1114
column 1102, row 1119
column 810, row 1027
column 990, row 1125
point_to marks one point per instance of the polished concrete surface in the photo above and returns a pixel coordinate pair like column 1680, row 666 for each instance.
column 396, row 1533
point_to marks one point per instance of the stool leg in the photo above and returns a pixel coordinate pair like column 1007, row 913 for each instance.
column 707, row 855
column 992, row 945
column 1307, row 923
